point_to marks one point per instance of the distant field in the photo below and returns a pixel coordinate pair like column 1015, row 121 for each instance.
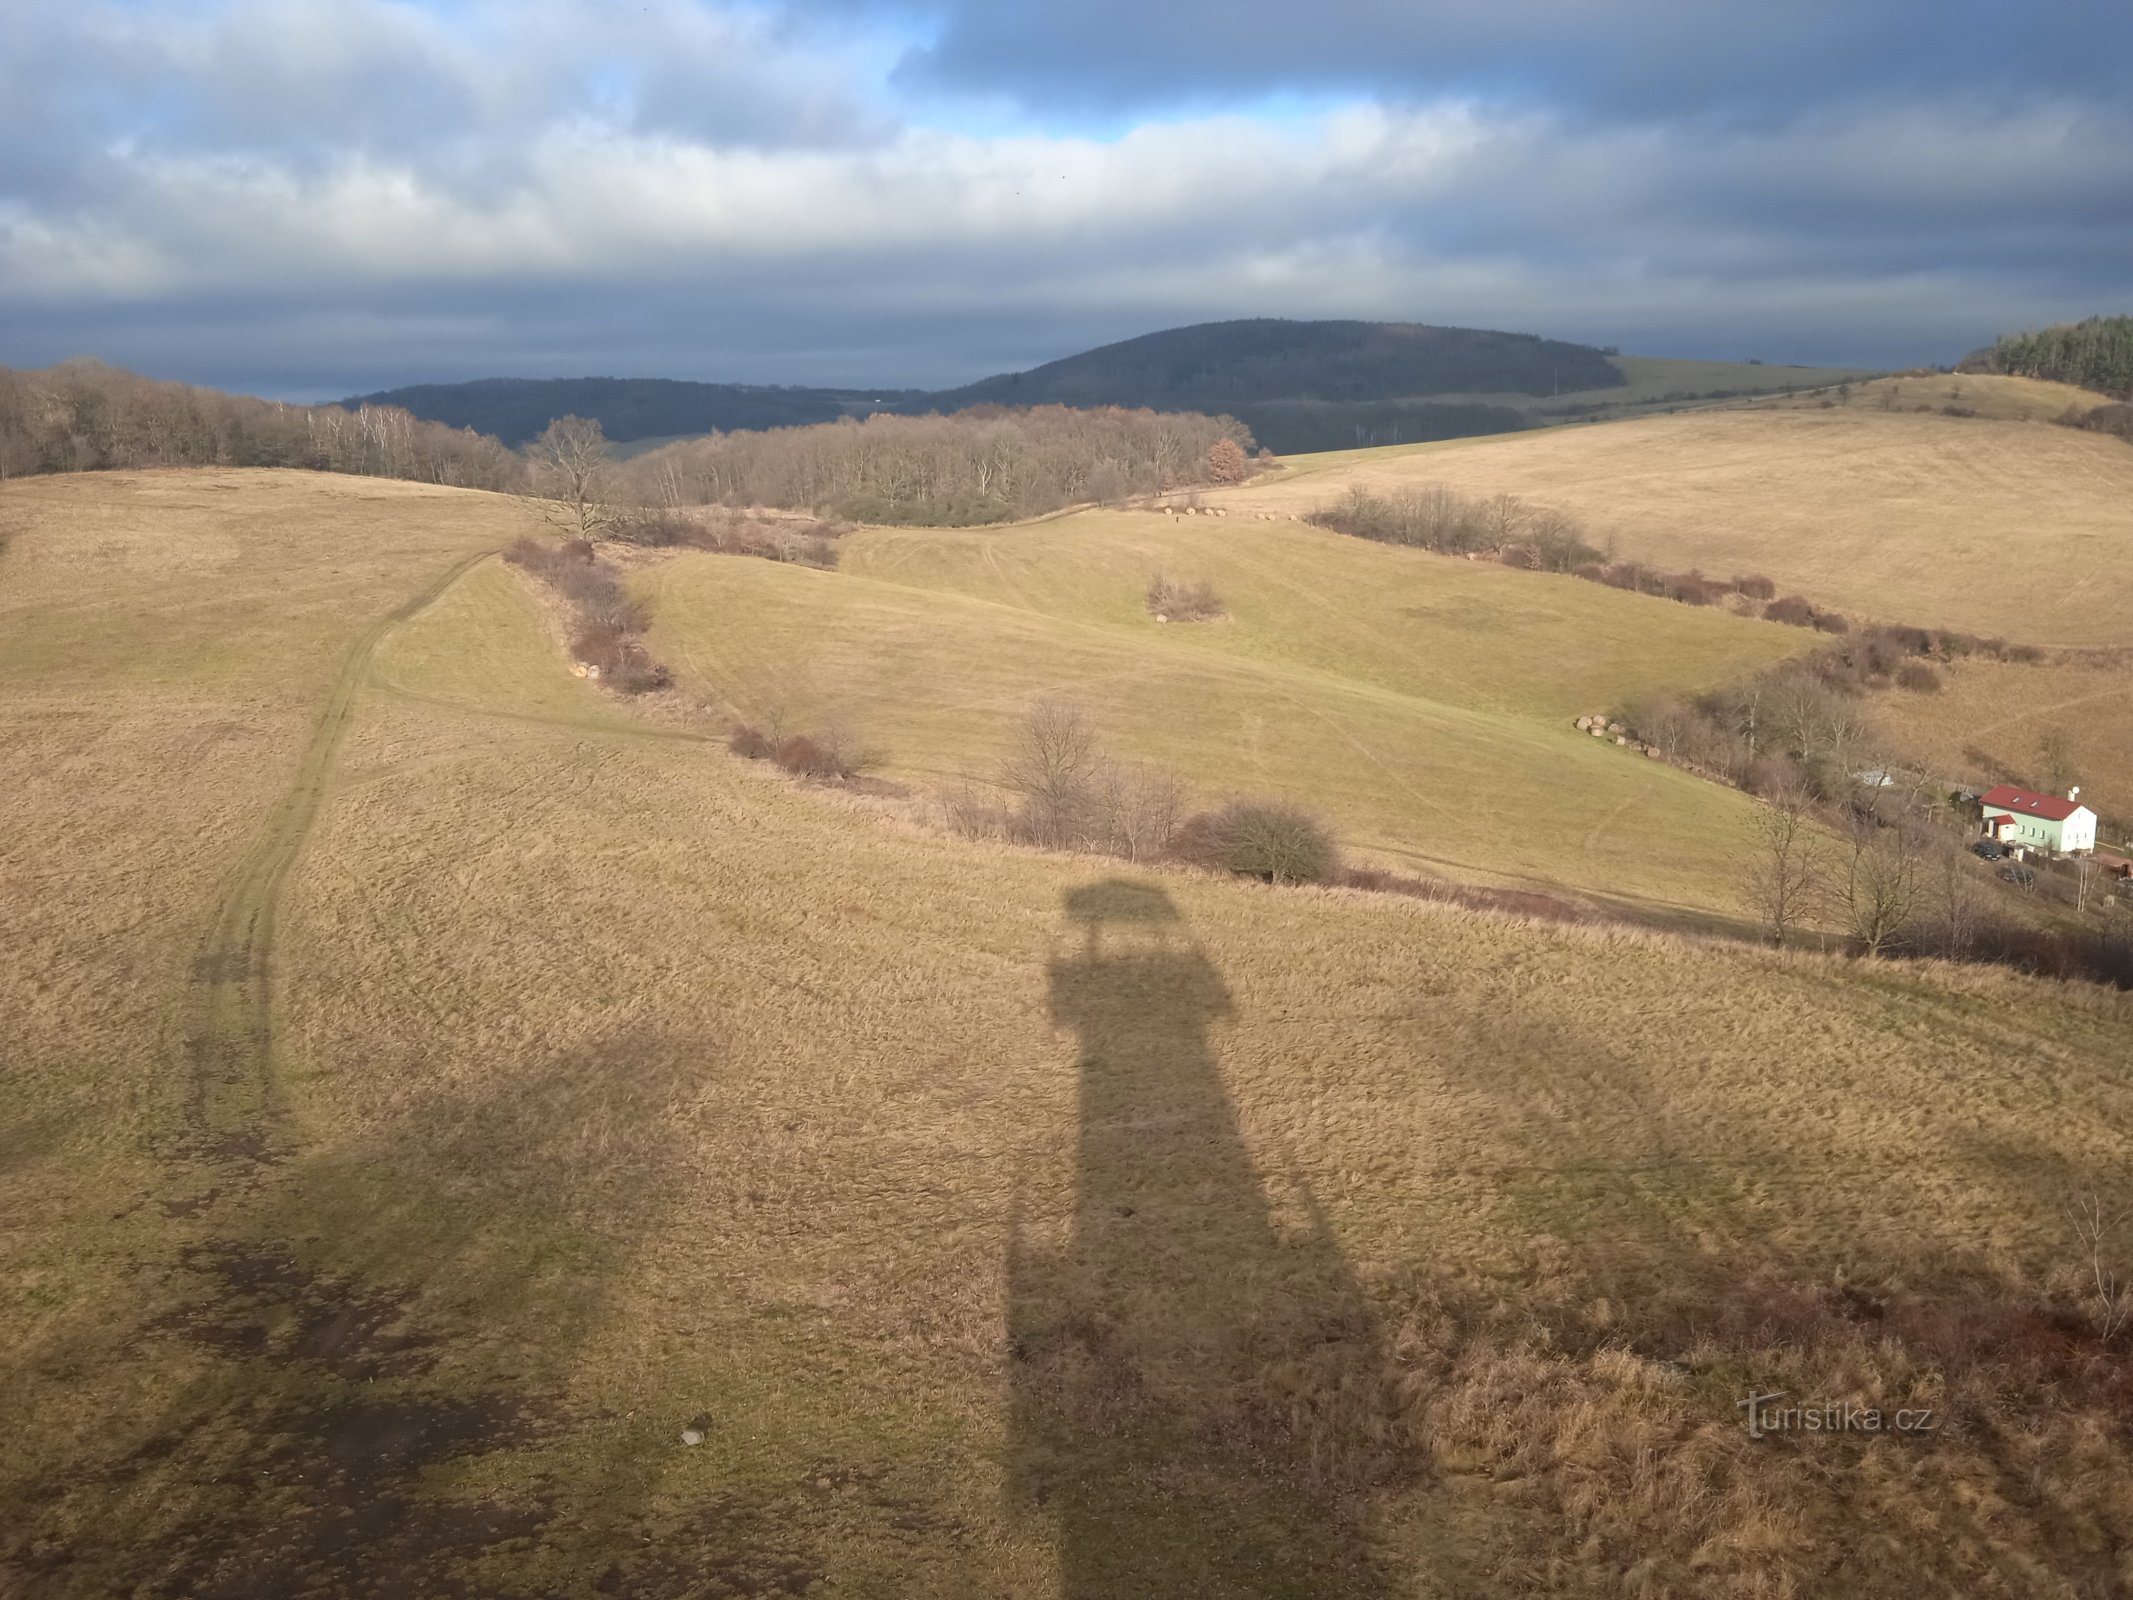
column 1659, row 381
column 1998, row 527
column 1002, row 1224
column 2001, row 399
column 1412, row 698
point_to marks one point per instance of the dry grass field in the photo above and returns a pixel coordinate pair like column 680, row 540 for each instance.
column 1001, row 1224
column 1994, row 396
column 1423, row 704
column 2013, row 528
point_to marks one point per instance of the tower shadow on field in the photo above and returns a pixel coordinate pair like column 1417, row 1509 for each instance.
column 1200, row 1395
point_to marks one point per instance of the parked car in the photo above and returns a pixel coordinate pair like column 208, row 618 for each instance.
column 1989, row 849
column 2019, row 874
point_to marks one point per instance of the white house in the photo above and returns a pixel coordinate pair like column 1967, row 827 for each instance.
column 2038, row 821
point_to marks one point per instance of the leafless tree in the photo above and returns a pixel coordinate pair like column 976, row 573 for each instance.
column 1882, row 884
column 570, row 466
column 2057, row 770
column 1053, row 767
column 1787, row 871
column 1961, row 908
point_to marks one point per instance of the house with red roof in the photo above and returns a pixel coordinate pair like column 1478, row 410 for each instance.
column 2038, row 821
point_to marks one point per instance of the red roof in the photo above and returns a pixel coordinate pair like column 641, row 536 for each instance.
column 2006, row 797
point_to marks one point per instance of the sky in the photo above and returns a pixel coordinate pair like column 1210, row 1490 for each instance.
column 313, row 198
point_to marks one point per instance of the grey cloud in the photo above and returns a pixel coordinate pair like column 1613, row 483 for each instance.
column 1634, row 59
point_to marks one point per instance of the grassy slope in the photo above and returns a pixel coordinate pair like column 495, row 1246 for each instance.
column 1999, row 527
column 1296, row 1244
column 1990, row 396
column 1414, row 699
column 1658, row 381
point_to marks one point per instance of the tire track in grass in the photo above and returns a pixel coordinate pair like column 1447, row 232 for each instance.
column 231, row 1093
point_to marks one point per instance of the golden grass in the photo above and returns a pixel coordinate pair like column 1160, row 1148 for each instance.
column 1005, row 1229
column 1989, row 395
column 1424, row 705
column 1995, row 527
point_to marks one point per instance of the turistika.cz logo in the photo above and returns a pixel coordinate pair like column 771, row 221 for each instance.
column 1767, row 1416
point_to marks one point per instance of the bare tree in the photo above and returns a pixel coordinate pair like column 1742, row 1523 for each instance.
column 2057, row 770
column 1883, row 882
column 1053, row 767
column 570, row 463
column 1783, row 880
column 1961, row 908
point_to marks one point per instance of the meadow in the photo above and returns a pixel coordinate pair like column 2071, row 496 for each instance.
column 1997, row 527
column 1424, row 705
column 994, row 1222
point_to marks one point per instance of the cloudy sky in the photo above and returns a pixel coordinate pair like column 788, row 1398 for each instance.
column 313, row 197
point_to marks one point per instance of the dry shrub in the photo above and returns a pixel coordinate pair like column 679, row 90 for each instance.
column 803, row 758
column 830, row 756
column 1794, row 610
column 750, row 743
column 971, row 811
column 1917, row 677
column 1263, row 839
column 1184, row 602
column 1755, row 586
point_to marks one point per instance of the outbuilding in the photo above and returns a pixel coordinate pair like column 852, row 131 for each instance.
column 2038, row 821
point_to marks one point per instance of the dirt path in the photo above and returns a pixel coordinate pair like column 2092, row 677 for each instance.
column 229, row 1035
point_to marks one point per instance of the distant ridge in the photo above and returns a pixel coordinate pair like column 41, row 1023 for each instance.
column 1298, row 386
column 1222, row 365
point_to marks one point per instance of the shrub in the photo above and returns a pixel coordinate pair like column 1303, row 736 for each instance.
column 1522, row 556
column 1755, row 586
column 1917, row 677
column 1183, row 602
column 1831, row 622
column 1795, row 611
column 529, row 553
column 749, row 743
column 803, row 758
column 1266, row 840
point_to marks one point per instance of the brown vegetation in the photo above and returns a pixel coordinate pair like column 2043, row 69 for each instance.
column 1171, row 600
column 83, row 416
column 608, row 622
column 978, row 466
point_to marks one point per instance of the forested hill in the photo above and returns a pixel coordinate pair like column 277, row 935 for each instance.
column 516, row 409
column 2093, row 354
column 1297, row 385
column 1220, row 366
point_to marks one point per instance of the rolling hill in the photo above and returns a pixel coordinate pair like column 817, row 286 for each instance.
column 2000, row 527
column 468, row 1135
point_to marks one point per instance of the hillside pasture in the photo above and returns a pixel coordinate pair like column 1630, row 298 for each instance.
column 2007, row 528
column 1443, row 740
column 996, row 1223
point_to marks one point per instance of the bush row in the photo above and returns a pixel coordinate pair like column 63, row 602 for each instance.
column 1434, row 517
column 607, row 623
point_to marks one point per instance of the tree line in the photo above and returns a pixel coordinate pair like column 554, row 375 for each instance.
column 977, row 466
column 2095, row 353
column 83, row 416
